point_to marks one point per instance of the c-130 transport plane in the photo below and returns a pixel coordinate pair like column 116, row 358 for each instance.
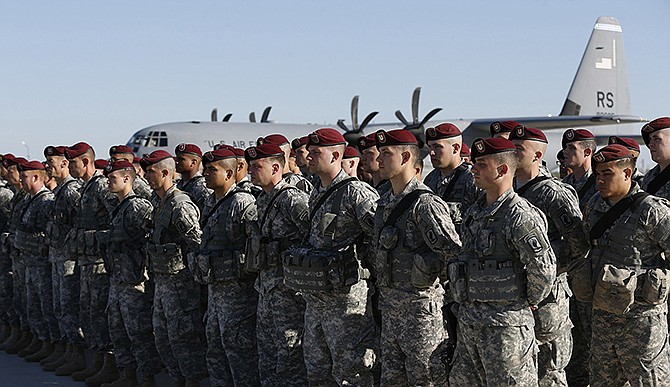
column 598, row 96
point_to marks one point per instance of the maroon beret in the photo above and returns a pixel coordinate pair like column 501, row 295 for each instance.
column 100, row 163
column 117, row 166
column 277, row 139
column 465, row 150
column 222, row 146
column 611, row 153
column 298, row 142
column 19, row 161
column 651, row 127
column 8, row 160
column 137, row 160
column 54, row 151
column 523, row 133
column 77, row 150
column 444, row 130
column 350, row 152
column 262, row 151
column 188, row 148
column 218, row 154
column 120, row 149
column 367, row 142
column 502, row 127
column 239, row 152
column 625, row 141
column 572, row 135
column 32, row 165
column 395, row 137
column 490, row 146
column 326, row 137
column 154, row 157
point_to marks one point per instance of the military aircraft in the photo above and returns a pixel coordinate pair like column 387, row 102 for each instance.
column 598, row 96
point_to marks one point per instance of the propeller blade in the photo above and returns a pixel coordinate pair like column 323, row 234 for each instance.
column 366, row 121
column 215, row 116
column 266, row 114
column 354, row 113
column 226, row 118
column 352, row 137
column 402, row 119
column 341, row 124
column 430, row 115
column 415, row 105
column 252, row 117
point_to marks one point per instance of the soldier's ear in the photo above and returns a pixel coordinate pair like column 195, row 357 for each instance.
column 457, row 148
column 276, row 168
column 406, row 156
column 503, row 169
column 628, row 172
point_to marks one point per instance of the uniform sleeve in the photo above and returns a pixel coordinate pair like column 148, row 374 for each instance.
column 529, row 238
column 297, row 212
column 365, row 208
column 438, row 231
column 658, row 225
column 564, row 214
column 141, row 222
column 186, row 219
column 471, row 192
column 108, row 199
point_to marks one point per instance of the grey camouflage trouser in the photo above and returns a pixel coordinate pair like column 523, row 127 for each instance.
column 65, row 283
column 39, row 303
column 93, row 296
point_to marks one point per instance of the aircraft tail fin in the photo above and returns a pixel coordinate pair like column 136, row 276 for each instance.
column 600, row 87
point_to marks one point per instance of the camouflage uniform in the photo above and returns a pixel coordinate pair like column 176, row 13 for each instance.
column 141, row 188
column 462, row 194
column 580, row 312
column 280, row 310
column 630, row 345
column 195, row 188
column 30, row 240
column 177, row 317
column 559, row 204
column 232, row 356
column 6, row 195
column 340, row 332
column 18, row 315
column 664, row 191
column 130, row 292
column 248, row 186
column 577, row 184
column 298, row 181
column 64, row 269
column 506, row 265
column 411, row 301
column 95, row 205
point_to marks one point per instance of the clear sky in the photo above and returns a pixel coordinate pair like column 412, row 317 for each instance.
column 99, row 71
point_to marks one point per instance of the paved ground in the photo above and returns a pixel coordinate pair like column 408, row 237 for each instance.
column 14, row 371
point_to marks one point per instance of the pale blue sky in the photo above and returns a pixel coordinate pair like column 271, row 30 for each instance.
column 99, row 71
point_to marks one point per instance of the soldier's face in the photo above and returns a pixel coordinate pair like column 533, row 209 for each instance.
column 262, row 170
column 117, row 181
column 659, row 145
column 77, row 167
column 29, row 181
column 154, row 177
column 612, row 179
column 216, row 175
column 301, row 156
column 184, row 162
column 443, row 153
column 390, row 161
column 13, row 176
column 575, row 154
column 486, row 171
column 321, row 158
column 350, row 166
column 369, row 161
column 527, row 153
column 56, row 165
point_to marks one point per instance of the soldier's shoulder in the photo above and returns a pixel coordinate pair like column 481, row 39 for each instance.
column 140, row 203
column 363, row 189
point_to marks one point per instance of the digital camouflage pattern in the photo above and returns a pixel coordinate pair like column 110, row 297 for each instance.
column 511, row 231
column 93, row 215
column 460, row 197
column 280, row 323
column 64, row 271
column 632, row 345
column 559, row 203
column 31, row 242
column 141, row 187
column 196, row 188
column 18, row 315
column 232, row 303
column 340, row 332
column 412, row 322
column 130, row 294
column 664, row 191
column 577, row 184
column 298, row 181
column 177, row 317
column 6, row 195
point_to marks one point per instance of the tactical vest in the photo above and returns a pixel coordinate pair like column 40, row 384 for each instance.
column 60, row 223
column 93, row 214
column 30, row 239
column 124, row 251
column 494, row 273
column 166, row 257
column 394, row 263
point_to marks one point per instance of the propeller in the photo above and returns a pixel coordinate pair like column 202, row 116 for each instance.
column 264, row 116
column 352, row 135
column 226, row 118
column 215, row 116
column 416, row 127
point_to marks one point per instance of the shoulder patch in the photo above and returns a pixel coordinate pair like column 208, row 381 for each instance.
column 534, row 243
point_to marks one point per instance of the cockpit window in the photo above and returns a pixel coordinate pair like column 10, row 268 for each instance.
column 156, row 139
